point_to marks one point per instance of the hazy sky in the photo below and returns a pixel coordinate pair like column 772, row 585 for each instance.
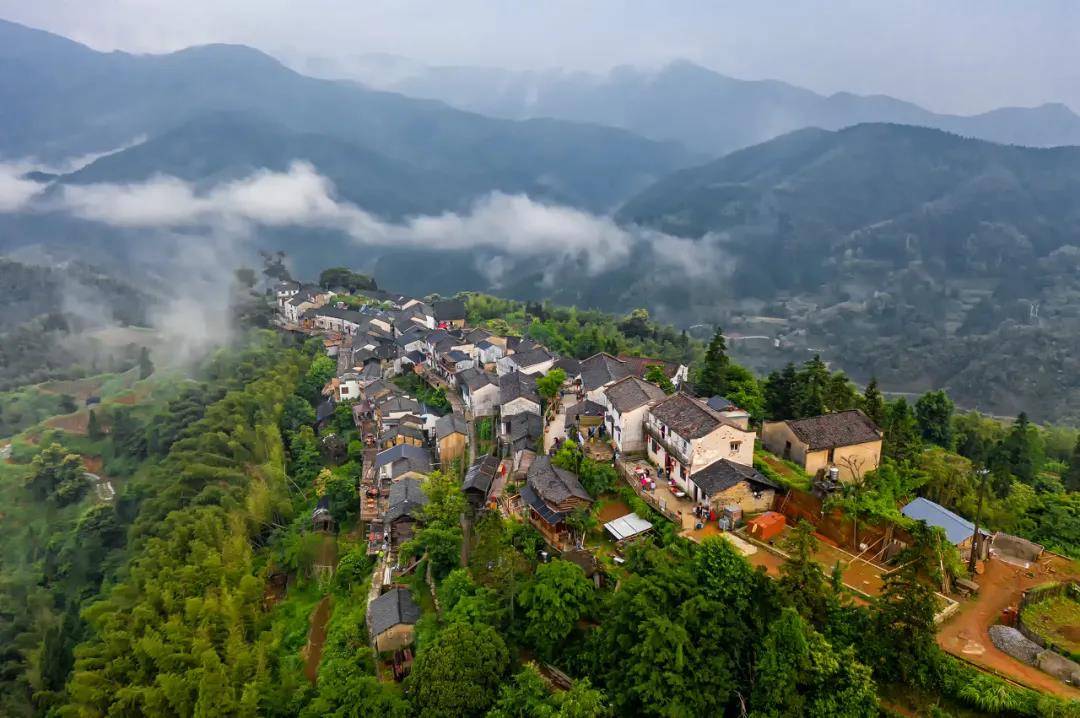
column 947, row 55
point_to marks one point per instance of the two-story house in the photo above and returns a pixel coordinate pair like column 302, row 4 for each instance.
column 684, row 436
column 549, row 495
column 479, row 391
column 627, row 401
column 535, row 360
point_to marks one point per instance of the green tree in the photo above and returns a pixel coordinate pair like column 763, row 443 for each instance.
column 812, row 388
column 127, row 433
column 799, row 673
column 873, row 403
column 840, row 393
column 304, row 452
column 245, row 277
column 93, row 426
column 902, row 438
column 549, row 385
column 655, row 375
column 934, row 412
column 346, row 278
column 581, row 701
column 146, row 367
column 745, row 391
column 343, row 417
column 527, row 696
column 903, row 621
column 712, row 376
column 321, row 371
column 1021, row 452
column 557, row 596
column 295, row 413
column 1071, row 478
column 780, row 393
column 58, row 475
column 802, row 580
column 459, row 674
column 524, row 696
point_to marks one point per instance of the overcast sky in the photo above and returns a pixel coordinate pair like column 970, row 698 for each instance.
column 947, row 55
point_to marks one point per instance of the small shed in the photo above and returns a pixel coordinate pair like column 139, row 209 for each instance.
column 627, row 527
column 767, row 526
column 957, row 529
column 391, row 618
column 321, row 519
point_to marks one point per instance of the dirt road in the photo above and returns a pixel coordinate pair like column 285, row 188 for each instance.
column 317, row 638
column 965, row 634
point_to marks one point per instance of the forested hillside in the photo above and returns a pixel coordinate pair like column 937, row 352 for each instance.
column 198, row 589
column 702, row 109
column 917, row 256
column 66, row 95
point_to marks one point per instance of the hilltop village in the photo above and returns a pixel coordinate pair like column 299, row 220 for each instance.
column 597, row 454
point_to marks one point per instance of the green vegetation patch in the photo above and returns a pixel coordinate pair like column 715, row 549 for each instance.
column 1057, row 621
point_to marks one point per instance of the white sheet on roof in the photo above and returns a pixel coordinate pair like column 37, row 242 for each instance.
column 627, row 526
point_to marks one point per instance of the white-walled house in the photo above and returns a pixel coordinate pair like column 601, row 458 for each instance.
column 627, row 401
column 683, row 436
column 535, row 360
column 479, row 391
column 487, row 352
column 349, row 387
column 517, row 394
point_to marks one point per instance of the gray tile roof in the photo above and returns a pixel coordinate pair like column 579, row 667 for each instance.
column 525, row 429
column 393, row 608
column 402, row 451
column 480, row 475
column 552, row 484
column 584, row 408
column 516, row 385
column 632, row 393
column 474, row 378
column 448, row 310
column 723, row 474
column 532, row 357
column 407, row 497
column 845, row 428
column 687, row 417
column 450, row 424
column 601, row 369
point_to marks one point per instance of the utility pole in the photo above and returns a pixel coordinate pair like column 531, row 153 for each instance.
column 975, row 540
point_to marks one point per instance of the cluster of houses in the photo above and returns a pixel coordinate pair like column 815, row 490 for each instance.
column 702, row 450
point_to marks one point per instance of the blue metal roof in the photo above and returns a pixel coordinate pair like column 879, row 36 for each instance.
column 957, row 528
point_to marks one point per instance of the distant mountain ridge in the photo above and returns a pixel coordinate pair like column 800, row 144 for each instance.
column 684, row 102
column 59, row 99
column 921, row 257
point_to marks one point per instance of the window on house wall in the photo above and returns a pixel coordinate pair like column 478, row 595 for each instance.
column 682, row 471
column 831, row 455
column 735, row 446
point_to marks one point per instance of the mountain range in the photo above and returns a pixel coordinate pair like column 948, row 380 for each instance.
column 60, row 99
column 704, row 110
column 920, row 256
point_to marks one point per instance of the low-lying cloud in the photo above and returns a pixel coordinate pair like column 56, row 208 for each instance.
column 301, row 196
column 504, row 224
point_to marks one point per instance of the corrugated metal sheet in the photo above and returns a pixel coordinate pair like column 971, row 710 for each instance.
column 957, row 528
column 627, row 526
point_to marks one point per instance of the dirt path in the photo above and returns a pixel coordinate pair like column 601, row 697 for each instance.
column 317, row 637
column 965, row 634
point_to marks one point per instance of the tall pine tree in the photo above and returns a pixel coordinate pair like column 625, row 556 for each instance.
column 1072, row 475
column 712, row 379
column 874, row 403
